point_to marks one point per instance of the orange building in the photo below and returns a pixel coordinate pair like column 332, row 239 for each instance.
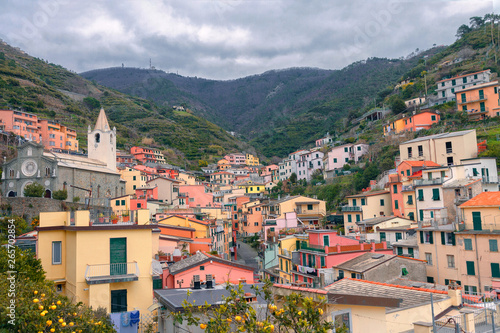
column 51, row 134
column 413, row 123
column 479, row 101
column 146, row 155
column 21, row 123
column 57, row 136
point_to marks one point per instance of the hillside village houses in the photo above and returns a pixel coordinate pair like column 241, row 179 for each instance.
column 422, row 229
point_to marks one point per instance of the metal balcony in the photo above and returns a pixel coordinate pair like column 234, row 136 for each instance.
column 351, row 208
column 109, row 273
column 436, row 181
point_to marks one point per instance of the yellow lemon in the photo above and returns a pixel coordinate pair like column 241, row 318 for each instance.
column 35, row 300
column 71, row 324
column 320, row 311
column 48, row 322
column 300, row 313
column 271, row 327
column 63, row 324
column 203, row 326
column 229, row 320
column 61, row 320
column 42, row 314
column 237, row 318
column 58, row 303
column 40, row 307
column 52, row 329
column 35, row 292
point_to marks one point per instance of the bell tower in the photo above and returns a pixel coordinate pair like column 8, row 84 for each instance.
column 101, row 142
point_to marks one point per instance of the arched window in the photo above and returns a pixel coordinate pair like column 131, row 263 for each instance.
column 97, row 138
column 11, row 173
column 47, row 172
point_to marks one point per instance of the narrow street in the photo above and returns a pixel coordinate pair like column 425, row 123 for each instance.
column 247, row 255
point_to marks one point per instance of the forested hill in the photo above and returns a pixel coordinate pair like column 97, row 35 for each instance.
column 278, row 110
column 52, row 92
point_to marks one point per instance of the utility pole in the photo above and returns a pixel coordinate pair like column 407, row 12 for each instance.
column 433, row 319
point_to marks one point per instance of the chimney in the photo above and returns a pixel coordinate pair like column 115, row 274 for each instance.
column 196, row 282
column 372, row 246
column 209, row 281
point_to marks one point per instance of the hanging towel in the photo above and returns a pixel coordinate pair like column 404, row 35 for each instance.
column 134, row 317
column 125, row 319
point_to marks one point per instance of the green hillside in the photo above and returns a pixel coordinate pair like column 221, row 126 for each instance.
column 52, row 92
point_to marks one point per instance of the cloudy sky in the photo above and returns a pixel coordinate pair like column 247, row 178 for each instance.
column 226, row 39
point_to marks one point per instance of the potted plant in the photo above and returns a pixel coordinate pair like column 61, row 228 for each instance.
column 125, row 216
column 101, row 218
column 114, row 219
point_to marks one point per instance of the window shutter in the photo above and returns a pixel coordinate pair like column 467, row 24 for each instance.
column 431, row 240
column 446, row 282
column 421, row 237
column 453, row 238
column 443, row 239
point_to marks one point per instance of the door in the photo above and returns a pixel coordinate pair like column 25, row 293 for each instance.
column 476, row 220
column 118, row 256
column 119, row 300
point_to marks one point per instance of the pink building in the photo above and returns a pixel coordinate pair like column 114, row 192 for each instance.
column 271, row 228
column 340, row 155
column 270, row 173
column 307, row 163
column 196, row 196
column 202, row 264
column 325, row 249
column 236, row 159
column 148, row 193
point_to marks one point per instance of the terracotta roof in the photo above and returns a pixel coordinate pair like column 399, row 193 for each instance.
column 183, row 217
column 199, row 259
column 421, row 163
column 416, row 174
column 483, row 199
column 456, row 77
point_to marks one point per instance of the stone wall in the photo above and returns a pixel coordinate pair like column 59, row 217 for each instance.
column 30, row 207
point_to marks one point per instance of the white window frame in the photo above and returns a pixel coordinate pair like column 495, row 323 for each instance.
column 54, row 244
column 338, row 313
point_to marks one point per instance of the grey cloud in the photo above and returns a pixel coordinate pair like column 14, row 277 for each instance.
column 226, row 39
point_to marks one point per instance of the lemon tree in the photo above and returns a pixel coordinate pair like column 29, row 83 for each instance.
column 290, row 313
column 37, row 306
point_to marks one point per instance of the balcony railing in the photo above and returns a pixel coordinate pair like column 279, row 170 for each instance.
column 351, row 208
column 436, row 181
column 487, row 180
column 109, row 273
column 407, row 187
column 312, row 247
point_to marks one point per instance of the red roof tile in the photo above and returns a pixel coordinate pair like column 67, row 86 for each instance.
column 484, row 199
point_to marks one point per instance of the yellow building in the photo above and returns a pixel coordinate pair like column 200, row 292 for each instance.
column 201, row 227
column 251, row 187
column 395, row 127
column 285, row 248
column 134, row 178
column 119, row 205
column 443, row 149
column 309, row 211
column 102, row 265
column 251, row 160
column 478, row 238
column 364, row 206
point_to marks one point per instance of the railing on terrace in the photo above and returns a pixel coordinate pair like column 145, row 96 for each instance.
column 407, row 187
column 488, row 180
column 357, row 247
column 461, row 199
column 312, row 247
column 102, row 273
column 436, row 181
column 351, row 208
column 301, row 211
